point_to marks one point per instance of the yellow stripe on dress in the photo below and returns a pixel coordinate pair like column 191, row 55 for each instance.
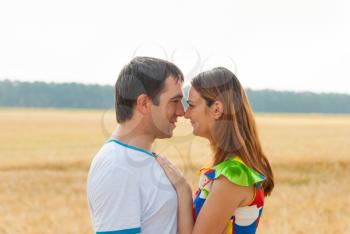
column 229, row 227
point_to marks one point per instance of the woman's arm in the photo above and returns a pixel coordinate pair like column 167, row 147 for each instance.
column 185, row 203
column 224, row 198
column 184, row 195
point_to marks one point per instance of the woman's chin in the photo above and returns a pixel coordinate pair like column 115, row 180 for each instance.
column 196, row 132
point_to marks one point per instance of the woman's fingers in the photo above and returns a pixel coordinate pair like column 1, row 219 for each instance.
column 175, row 176
column 165, row 164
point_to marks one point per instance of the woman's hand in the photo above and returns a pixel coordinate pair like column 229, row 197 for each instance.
column 175, row 176
column 184, row 195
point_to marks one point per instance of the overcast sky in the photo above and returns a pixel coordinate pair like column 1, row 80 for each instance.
column 277, row 44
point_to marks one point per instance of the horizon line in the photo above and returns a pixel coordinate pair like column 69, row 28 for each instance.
column 111, row 85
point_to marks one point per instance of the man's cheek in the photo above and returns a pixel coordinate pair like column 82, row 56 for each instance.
column 171, row 112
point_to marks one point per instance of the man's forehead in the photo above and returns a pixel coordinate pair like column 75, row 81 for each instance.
column 173, row 80
column 173, row 85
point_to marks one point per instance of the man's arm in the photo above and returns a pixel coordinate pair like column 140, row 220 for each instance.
column 114, row 202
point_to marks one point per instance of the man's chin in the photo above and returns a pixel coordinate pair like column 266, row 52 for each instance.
column 165, row 134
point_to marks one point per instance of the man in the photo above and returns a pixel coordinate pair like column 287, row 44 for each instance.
column 127, row 190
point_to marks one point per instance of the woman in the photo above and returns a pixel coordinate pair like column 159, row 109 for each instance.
column 231, row 192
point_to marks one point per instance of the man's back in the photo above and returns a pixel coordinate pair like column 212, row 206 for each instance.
column 128, row 191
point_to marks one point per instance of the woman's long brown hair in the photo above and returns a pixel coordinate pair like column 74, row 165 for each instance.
column 235, row 133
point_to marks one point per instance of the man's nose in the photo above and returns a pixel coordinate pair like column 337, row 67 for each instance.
column 180, row 110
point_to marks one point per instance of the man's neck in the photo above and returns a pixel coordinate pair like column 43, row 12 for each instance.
column 133, row 136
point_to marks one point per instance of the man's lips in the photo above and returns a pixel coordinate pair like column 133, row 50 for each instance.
column 173, row 123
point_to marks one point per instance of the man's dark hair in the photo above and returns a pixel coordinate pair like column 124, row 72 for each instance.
column 143, row 75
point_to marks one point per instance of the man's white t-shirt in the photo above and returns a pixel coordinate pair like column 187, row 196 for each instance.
column 128, row 192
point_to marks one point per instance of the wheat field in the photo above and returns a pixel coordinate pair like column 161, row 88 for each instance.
column 45, row 156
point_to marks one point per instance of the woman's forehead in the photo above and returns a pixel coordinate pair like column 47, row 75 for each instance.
column 193, row 93
column 194, row 96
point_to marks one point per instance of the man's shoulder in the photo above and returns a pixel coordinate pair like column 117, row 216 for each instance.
column 105, row 153
column 112, row 156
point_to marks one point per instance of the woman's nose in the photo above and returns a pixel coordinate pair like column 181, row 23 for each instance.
column 187, row 114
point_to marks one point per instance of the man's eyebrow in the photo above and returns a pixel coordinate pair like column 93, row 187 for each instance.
column 178, row 96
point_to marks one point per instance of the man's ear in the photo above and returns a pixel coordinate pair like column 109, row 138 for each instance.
column 218, row 109
column 143, row 104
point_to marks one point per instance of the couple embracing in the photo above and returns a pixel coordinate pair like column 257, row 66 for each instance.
column 131, row 189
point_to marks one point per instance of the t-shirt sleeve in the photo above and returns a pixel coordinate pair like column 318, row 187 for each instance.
column 115, row 202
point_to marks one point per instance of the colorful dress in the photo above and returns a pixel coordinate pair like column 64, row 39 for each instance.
column 245, row 219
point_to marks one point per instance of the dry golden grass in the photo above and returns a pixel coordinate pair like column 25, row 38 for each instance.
column 45, row 156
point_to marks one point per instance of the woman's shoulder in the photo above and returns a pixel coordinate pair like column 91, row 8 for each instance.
column 236, row 171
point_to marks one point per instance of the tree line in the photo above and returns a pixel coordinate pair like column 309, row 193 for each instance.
column 76, row 95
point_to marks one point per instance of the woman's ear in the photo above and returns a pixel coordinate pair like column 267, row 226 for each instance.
column 218, row 109
column 142, row 104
